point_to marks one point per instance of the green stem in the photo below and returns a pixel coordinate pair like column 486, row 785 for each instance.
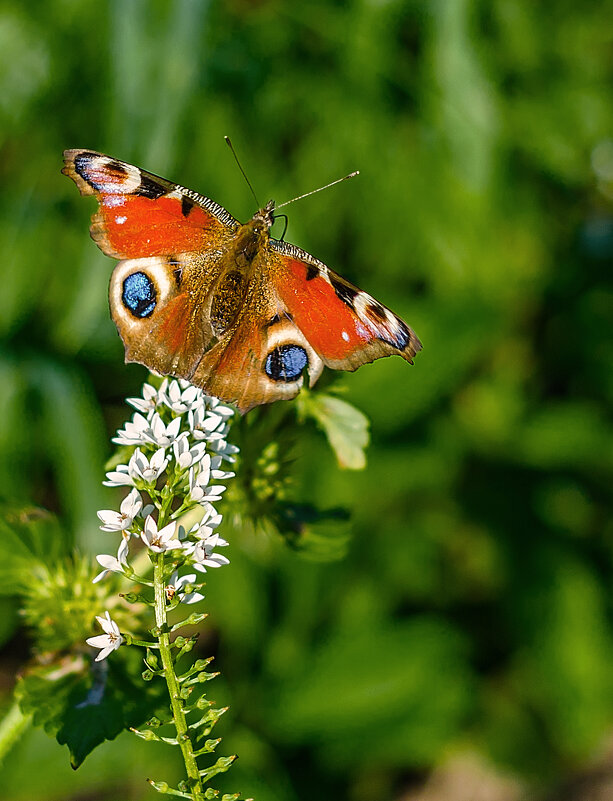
column 176, row 702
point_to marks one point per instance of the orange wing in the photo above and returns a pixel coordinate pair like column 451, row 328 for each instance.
column 346, row 326
column 141, row 214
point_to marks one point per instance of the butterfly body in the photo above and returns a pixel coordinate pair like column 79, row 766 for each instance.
column 200, row 296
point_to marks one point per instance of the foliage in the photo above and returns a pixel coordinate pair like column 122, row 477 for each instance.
column 478, row 579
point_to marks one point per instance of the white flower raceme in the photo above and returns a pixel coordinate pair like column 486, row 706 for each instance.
column 179, row 440
column 109, row 641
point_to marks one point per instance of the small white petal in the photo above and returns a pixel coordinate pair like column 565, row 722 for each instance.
column 109, row 641
column 118, row 478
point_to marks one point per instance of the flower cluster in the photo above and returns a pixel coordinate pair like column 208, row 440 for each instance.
column 178, row 444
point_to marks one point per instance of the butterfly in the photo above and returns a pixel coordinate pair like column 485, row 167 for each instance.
column 200, row 296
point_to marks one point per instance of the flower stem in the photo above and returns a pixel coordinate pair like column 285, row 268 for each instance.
column 176, row 702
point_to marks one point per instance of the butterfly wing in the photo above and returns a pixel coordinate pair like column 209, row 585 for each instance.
column 346, row 326
column 171, row 241
column 141, row 214
column 248, row 334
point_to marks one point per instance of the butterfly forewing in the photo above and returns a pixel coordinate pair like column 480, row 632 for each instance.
column 344, row 324
column 141, row 214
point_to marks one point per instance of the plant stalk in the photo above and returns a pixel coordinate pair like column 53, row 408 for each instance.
column 176, row 703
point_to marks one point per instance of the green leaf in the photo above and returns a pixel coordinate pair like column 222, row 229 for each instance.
column 345, row 427
column 84, row 704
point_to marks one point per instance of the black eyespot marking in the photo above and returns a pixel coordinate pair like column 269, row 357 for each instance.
column 150, row 188
column 178, row 274
column 312, row 272
column 286, row 363
column 343, row 291
column 139, row 295
column 187, row 204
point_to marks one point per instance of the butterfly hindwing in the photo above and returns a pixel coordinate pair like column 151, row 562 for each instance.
column 264, row 357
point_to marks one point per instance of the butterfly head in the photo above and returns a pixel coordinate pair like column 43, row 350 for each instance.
column 264, row 217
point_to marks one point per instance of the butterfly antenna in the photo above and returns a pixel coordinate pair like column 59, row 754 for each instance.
column 229, row 143
column 327, row 186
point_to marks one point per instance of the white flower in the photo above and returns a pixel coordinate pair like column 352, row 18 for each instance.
column 109, row 641
column 223, row 448
column 216, row 473
column 112, row 564
column 203, row 530
column 142, row 431
column 182, row 399
column 186, row 456
column 202, row 422
column 161, row 434
column 148, row 402
column 119, row 521
column 147, row 469
column 119, row 477
column 177, row 584
column 203, row 555
column 220, row 408
column 199, row 489
column 203, row 473
column 136, row 432
column 162, row 540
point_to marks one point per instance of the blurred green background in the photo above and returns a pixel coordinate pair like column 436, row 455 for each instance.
column 466, row 640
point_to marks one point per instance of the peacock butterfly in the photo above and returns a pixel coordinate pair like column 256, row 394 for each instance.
column 199, row 296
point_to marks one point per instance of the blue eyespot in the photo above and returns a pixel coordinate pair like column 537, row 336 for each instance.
column 139, row 295
column 286, row 363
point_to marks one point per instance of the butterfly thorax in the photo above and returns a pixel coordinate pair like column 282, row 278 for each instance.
column 250, row 239
column 229, row 295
